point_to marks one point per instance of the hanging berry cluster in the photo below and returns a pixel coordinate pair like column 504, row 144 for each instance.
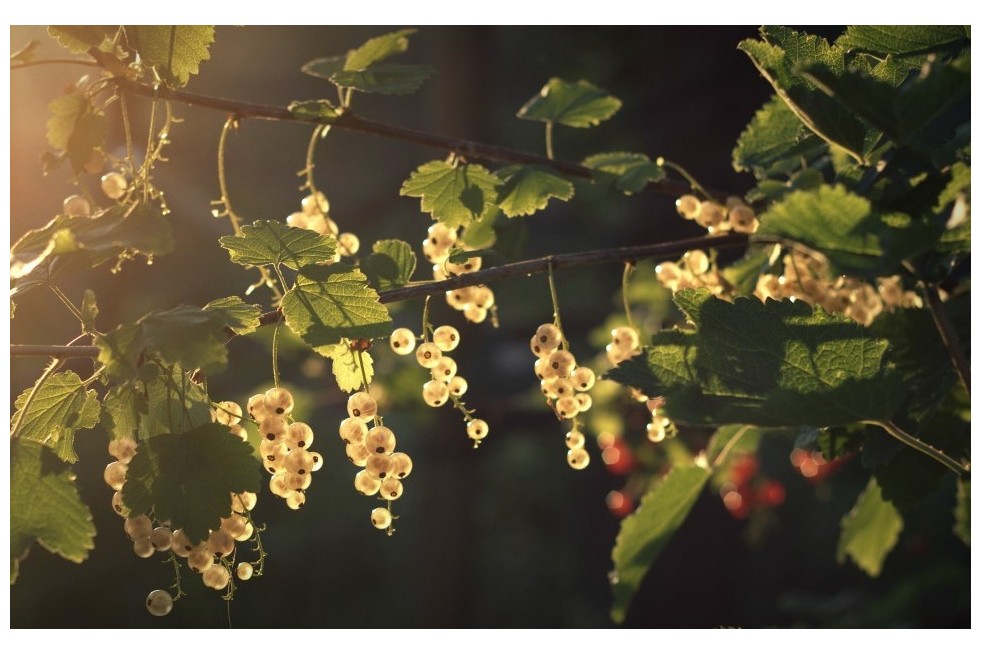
column 313, row 215
column 475, row 302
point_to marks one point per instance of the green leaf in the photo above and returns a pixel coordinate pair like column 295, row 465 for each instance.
column 387, row 79
column 173, row 403
column 390, row 265
column 742, row 274
column 45, row 507
column 330, row 303
column 633, row 170
column 527, row 189
column 842, row 225
column 900, row 39
column 870, row 531
column 324, row 67
column 60, row 406
column 773, row 142
column 963, row 511
column 344, row 365
column 175, row 51
column 460, row 256
column 482, row 233
column 773, row 364
column 271, row 242
column 646, row 532
column 377, row 49
column 317, row 109
column 453, row 195
column 89, row 310
column 239, row 316
column 26, row 54
column 960, row 183
column 121, row 409
column 189, row 336
column 120, row 350
column 76, row 127
column 188, row 478
column 79, row 39
column 576, row 104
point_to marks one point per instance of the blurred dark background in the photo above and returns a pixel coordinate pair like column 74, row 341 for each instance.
column 507, row 535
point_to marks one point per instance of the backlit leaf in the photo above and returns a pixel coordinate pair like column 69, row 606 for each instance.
column 576, row 104
column 632, row 171
column 60, row 406
column 347, row 370
column 963, row 511
column 900, row 39
column 76, row 127
column 319, row 109
column 454, row 195
column 870, row 531
column 240, row 316
column 390, row 265
column 377, row 49
column 121, row 409
column 527, row 189
column 386, row 79
column 80, row 39
column 271, row 242
column 175, row 51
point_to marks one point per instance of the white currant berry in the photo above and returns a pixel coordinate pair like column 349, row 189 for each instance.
column 446, row 338
column 161, row 538
column 143, row 548
column 220, row 543
column 362, row 406
column 400, row 465
column 403, row 341
column 314, row 204
column 567, row 407
column 278, row 485
column 297, row 481
column 460, row 298
column 578, row 458
column 234, row 525
column 697, row 261
column 366, row 483
column 575, row 439
column 435, row 254
column 483, row 298
column 239, row 431
column 180, row 544
column 216, row 577
column 458, row 386
column 560, row 388
column 428, row 354
column 159, row 602
column 583, row 378
column 626, row 339
column 378, row 466
column 114, row 185
column 439, row 273
column 115, row 475
column 380, row 440
column 436, row 393
column 318, row 461
column 228, row 413
column 76, row 206
column 299, row 461
column 278, row 401
column 475, row 313
column 710, row 214
column 445, row 369
column 256, row 407
column 656, row 431
column 562, row 363
column 584, row 401
column 441, row 236
column 118, row 505
column 549, row 337
column 471, row 265
column 688, row 206
column 669, row 274
column 123, row 449
column 616, row 356
column 543, row 371
column 247, row 533
column 353, row 430
column 477, row 429
column 391, row 488
column 200, row 559
column 348, row 244
column 296, row 500
column 299, row 220
column 138, row 527
column 742, row 219
column 244, row 501
column 299, row 435
column 357, row 453
column 244, row 571
column 381, row 518
column 273, row 428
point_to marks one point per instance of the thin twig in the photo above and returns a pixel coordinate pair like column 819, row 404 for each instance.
column 948, row 335
column 908, row 439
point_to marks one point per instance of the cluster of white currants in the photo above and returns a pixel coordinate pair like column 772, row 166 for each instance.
column 694, row 271
column 660, row 426
column 565, row 386
column 114, row 185
column 735, row 216
column 444, row 383
column 475, row 302
column 313, row 215
column 285, row 446
column 625, row 342
column 374, row 450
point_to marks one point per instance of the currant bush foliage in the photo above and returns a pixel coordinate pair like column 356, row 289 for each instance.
column 861, row 162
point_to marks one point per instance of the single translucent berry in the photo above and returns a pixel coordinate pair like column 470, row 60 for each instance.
column 123, row 449
column 200, row 559
column 441, row 236
column 710, row 214
column 348, row 244
column 446, row 338
column 435, row 254
column 458, row 386
column 353, row 430
column 180, row 544
column 445, row 369
column 543, row 371
column 228, row 413
column 477, row 429
column 578, row 458
column 318, row 461
column 234, row 525
column 615, row 356
column 436, row 393
column 273, row 428
column 216, row 577
column 697, row 261
column 315, row 204
column 299, row 435
column 362, row 406
column 549, row 337
column 460, row 298
column 475, row 313
column 143, row 548
column 299, row 220
column 247, row 534
column 366, row 483
column 115, row 475
column 403, row 341
column 471, row 265
column 400, row 465
column 159, row 602
column 76, row 206
column 483, row 298
column 138, row 527
column 669, row 274
column 357, row 453
column 562, row 363
column 560, row 388
column 567, row 407
column 278, row 401
column 161, row 538
column 299, row 461
column 297, row 481
column 244, row 571
column 378, row 466
column 279, row 486
column 296, row 500
column 625, row 339
column 575, row 439
column 220, row 543
column 257, row 407
column 239, row 431
column 114, row 185
column 391, row 488
column 118, row 505
column 688, row 206
column 439, row 273
column 656, row 431
column 244, row 501
column 381, row 518
column 742, row 219
column 584, row 401
column 428, row 354
column 583, row 378
column 380, row 440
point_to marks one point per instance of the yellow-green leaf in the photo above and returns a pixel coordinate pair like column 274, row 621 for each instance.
column 453, row 195
column 61, row 405
column 271, row 242
column 175, row 51
column 870, row 530
column 76, row 127
column 527, row 189
column 576, row 104
column 239, row 316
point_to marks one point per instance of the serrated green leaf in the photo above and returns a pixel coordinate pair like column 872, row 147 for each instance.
column 453, row 195
column 89, row 310
column 346, row 369
column 963, row 511
column 386, row 79
column 60, row 406
column 460, row 255
column 188, row 478
column 174, row 51
column 646, row 532
column 870, row 531
column 271, row 242
column 324, row 67
column 633, row 171
column 390, row 265
column 742, row 274
column 961, row 182
column 900, row 39
column 377, row 49
column 239, row 316
column 121, row 409
column 174, row 404
column 26, row 54
column 527, row 189
column 79, row 39
column 76, row 127
column 120, row 350
column 576, row 104
column 773, row 364
column 330, row 303
column 45, row 506
column 189, row 336
column 774, row 141
column 480, row 234
column 319, row 109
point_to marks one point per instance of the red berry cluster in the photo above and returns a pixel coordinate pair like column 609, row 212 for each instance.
column 745, row 490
